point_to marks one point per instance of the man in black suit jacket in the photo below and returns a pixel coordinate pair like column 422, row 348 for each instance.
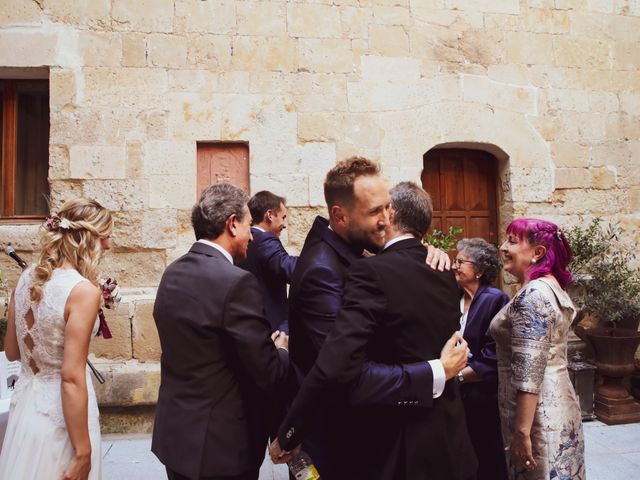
column 395, row 310
column 358, row 202
column 219, row 363
column 266, row 257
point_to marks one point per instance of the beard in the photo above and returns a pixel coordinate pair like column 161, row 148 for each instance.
column 371, row 240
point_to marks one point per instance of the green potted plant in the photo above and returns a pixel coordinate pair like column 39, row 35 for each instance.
column 607, row 288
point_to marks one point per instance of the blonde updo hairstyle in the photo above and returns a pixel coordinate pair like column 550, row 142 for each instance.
column 73, row 235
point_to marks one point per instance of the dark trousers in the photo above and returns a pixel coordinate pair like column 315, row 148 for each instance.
column 245, row 476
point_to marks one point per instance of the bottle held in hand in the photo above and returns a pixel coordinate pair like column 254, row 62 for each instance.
column 302, row 468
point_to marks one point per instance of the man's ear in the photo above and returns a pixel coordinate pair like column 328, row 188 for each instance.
column 232, row 224
column 268, row 216
column 338, row 214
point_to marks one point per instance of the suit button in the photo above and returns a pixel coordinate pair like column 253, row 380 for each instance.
column 406, row 403
column 290, row 432
column 399, row 404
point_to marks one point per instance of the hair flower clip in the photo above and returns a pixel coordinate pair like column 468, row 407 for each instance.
column 64, row 223
column 54, row 222
column 559, row 233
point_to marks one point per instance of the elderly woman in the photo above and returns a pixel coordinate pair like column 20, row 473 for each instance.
column 539, row 410
column 476, row 267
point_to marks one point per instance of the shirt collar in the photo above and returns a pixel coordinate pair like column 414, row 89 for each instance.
column 396, row 240
column 219, row 248
column 259, row 228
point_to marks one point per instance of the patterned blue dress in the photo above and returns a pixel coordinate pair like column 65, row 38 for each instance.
column 531, row 338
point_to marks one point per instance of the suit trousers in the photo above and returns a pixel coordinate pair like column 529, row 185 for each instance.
column 245, row 476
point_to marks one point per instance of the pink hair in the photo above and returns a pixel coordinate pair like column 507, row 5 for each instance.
column 548, row 235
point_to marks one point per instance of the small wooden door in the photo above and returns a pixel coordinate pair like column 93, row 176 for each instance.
column 223, row 162
column 462, row 185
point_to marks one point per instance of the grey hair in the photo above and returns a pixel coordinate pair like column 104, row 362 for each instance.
column 217, row 203
column 485, row 257
column 412, row 209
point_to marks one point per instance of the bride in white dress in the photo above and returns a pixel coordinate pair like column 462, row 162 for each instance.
column 53, row 430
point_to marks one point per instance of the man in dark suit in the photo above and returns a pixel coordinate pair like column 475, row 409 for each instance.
column 395, row 310
column 218, row 363
column 266, row 257
column 358, row 203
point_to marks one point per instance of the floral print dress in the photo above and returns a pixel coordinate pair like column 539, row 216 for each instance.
column 531, row 335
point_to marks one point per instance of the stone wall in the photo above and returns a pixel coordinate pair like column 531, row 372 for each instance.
column 552, row 88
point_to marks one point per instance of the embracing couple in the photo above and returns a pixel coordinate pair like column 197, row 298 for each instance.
column 375, row 339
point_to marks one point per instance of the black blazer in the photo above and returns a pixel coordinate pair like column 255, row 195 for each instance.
column 218, row 366
column 395, row 310
column 273, row 267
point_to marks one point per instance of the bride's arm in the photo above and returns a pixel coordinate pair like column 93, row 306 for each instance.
column 11, row 349
column 80, row 312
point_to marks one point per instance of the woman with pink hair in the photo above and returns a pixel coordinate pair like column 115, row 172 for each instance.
column 539, row 410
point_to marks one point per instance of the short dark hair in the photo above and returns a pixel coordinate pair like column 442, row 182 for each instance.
column 484, row 256
column 412, row 209
column 338, row 184
column 262, row 202
column 216, row 204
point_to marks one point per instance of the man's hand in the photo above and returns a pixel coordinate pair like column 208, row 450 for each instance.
column 278, row 455
column 437, row 259
column 454, row 355
column 281, row 339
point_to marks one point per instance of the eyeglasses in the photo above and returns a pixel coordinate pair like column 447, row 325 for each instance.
column 458, row 262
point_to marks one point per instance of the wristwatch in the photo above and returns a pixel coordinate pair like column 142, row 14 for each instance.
column 460, row 377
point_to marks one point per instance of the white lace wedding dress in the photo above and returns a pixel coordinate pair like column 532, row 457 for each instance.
column 36, row 444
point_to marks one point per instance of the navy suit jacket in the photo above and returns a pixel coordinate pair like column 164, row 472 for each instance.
column 273, row 267
column 315, row 298
column 485, row 304
column 395, row 310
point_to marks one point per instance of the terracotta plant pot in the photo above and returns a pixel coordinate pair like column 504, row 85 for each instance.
column 614, row 350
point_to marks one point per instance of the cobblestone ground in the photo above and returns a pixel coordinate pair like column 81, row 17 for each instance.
column 612, row 452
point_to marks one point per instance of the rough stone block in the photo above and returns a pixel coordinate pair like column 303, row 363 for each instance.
column 386, row 15
column 135, row 159
column 300, row 220
column 146, row 343
column 270, row 83
column 391, row 41
column 62, row 87
column 387, row 69
column 119, row 346
column 583, row 52
column 167, row 50
column 58, row 162
column 619, row 125
column 102, row 162
column 367, row 97
column 516, row 74
column 134, row 15
column 306, row 20
column 546, row 20
column 261, row 19
column 511, row 7
column 100, row 49
column 572, row 178
column 190, row 118
column 61, row 191
column 172, row 191
column 209, row 51
column 475, row 88
column 607, row 102
column 129, row 384
column 325, row 55
column 134, row 50
column 212, row 16
column 626, row 56
column 135, row 269
column 355, row 21
column 570, row 154
column 19, row 12
column 146, row 229
column 529, row 48
column 262, row 53
column 166, row 157
column 118, row 194
column 19, row 48
column 566, row 99
column 296, row 187
column 603, row 178
column 629, row 102
column 93, row 14
column 125, row 87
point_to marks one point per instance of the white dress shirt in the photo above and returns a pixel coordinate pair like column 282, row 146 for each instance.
column 226, row 254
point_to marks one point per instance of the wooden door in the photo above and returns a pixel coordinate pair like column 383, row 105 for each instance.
column 223, row 162
column 462, row 185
